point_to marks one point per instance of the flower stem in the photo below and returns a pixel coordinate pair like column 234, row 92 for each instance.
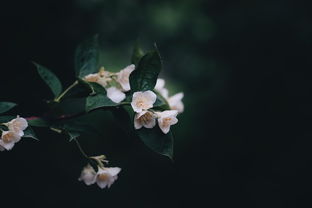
column 81, row 150
column 66, row 91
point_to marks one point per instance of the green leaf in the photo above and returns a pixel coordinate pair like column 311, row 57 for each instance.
column 145, row 75
column 137, row 54
column 6, row 106
column 153, row 138
column 156, row 140
column 38, row 122
column 98, row 101
column 29, row 133
column 50, row 79
column 87, row 57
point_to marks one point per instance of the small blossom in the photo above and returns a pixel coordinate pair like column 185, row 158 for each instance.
column 143, row 100
column 115, row 94
column 18, row 125
column 88, row 175
column 123, row 77
column 106, row 176
column 102, row 77
column 166, row 119
column 8, row 139
column 146, row 119
column 160, row 87
column 175, row 102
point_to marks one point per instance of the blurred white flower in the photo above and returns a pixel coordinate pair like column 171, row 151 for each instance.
column 8, row 139
column 160, row 87
column 166, row 119
column 143, row 100
column 123, row 77
column 17, row 125
column 115, row 94
column 144, row 118
column 88, row 175
column 106, row 176
column 175, row 102
column 102, row 77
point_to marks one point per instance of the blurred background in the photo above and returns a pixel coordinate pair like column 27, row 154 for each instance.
column 244, row 139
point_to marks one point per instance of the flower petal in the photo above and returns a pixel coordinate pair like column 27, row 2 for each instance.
column 115, row 94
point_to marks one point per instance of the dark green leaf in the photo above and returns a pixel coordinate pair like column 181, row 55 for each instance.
column 156, row 140
column 153, row 138
column 87, row 57
column 6, row 106
column 50, row 79
column 145, row 75
column 137, row 54
column 29, row 133
column 38, row 122
column 98, row 101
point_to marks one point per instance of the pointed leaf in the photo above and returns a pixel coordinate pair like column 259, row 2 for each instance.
column 87, row 57
column 99, row 101
column 145, row 75
column 29, row 133
column 6, row 106
column 50, row 79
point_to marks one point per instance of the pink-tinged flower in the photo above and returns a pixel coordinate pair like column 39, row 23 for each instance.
column 88, row 175
column 17, row 125
column 123, row 77
column 160, row 87
column 143, row 100
column 105, row 177
column 175, row 102
column 115, row 94
column 166, row 119
column 146, row 119
column 8, row 139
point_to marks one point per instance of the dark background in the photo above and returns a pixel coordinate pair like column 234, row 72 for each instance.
column 244, row 139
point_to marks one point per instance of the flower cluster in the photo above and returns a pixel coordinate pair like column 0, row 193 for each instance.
column 116, row 84
column 142, row 103
column 104, row 177
column 14, row 133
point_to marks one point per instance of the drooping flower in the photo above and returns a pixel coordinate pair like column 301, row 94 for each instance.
column 8, row 139
column 175, row 102
column 115, row 94
column 143, row 100
column 88, row 175
column 106, row 176
column 160, row 87
column 123, row 77
column 166, row 119
column 17, row 125
column 102, row 77
column 146, row 119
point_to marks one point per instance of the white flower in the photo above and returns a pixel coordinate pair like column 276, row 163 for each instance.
column 8, row 139
column 106, row 176
column 175, row 102
column 88, row 175
column 115, row 94
column 166, row 119
column 123, row 77
column 143, row 100
column 18, row 125
column 102, row 77
column 144, row 118
column 160, row 87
